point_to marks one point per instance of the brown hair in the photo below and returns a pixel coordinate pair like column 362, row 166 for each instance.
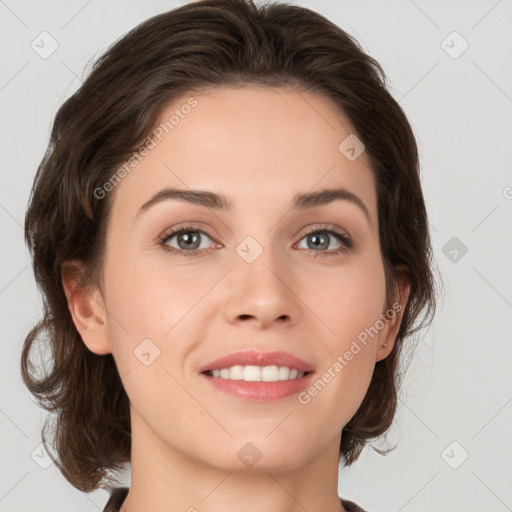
column 202, row 44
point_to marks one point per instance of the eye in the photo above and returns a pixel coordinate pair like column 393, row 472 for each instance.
column 192, row 241
column 188, row 241
column 319, row 239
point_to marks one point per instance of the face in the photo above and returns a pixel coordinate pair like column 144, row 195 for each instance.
column 264, row 273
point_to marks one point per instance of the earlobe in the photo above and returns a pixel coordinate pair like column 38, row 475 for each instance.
column 87, row 309
column 389, row 334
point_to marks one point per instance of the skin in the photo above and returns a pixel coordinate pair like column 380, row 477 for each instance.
column 259, row 147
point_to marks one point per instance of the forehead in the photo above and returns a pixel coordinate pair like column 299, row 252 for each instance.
column 259, row 146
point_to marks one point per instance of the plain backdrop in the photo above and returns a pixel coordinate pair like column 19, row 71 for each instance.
column 449, row 67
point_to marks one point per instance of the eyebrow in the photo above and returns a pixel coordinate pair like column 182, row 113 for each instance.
column 217, row 201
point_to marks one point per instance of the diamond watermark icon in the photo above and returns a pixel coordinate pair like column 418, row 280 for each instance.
column 44, row 45
column 146, row 352
column 41, row 457
column 249, row 455
column 454, row 249
column 454, row 45
column 351, row 147
column 454, row 455
column 249, row 249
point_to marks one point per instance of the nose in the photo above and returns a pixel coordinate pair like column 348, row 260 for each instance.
column 263, row 292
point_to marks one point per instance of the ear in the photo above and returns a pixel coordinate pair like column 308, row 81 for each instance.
column 87, row 309
column 393, row 315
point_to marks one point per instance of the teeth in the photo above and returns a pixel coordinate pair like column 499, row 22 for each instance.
column 258, row 373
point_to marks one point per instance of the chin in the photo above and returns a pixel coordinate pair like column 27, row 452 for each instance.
column 259, row 454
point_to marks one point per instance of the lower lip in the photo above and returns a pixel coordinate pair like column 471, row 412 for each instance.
column 260, row 391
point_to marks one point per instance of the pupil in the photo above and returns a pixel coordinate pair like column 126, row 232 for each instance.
column 316, row 237
column 187, row 237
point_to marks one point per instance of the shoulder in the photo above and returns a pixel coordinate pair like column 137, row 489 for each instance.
column 350, row 506
column 118, row 495
column 116, row 499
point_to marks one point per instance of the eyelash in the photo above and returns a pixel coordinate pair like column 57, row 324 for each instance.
column 346, row 242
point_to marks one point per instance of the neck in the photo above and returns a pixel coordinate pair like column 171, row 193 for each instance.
column 165, row 478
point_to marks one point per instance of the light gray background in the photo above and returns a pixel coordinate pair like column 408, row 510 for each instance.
column 459, row 387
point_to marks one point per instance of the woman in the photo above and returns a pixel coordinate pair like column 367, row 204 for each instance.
column 229, row 232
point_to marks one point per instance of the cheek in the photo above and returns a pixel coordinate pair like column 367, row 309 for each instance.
column 349, row 302
column 145, row 297
column 155, row 302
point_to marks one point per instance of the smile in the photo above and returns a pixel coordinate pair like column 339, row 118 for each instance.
column 251, row 373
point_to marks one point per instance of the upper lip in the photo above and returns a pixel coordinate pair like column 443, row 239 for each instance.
column 253, row 357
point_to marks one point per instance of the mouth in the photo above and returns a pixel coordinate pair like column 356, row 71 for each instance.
column 252, row 373
column 258, row 376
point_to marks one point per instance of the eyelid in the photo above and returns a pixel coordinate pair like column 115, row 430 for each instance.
column 185, row 226
column 325, row 227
